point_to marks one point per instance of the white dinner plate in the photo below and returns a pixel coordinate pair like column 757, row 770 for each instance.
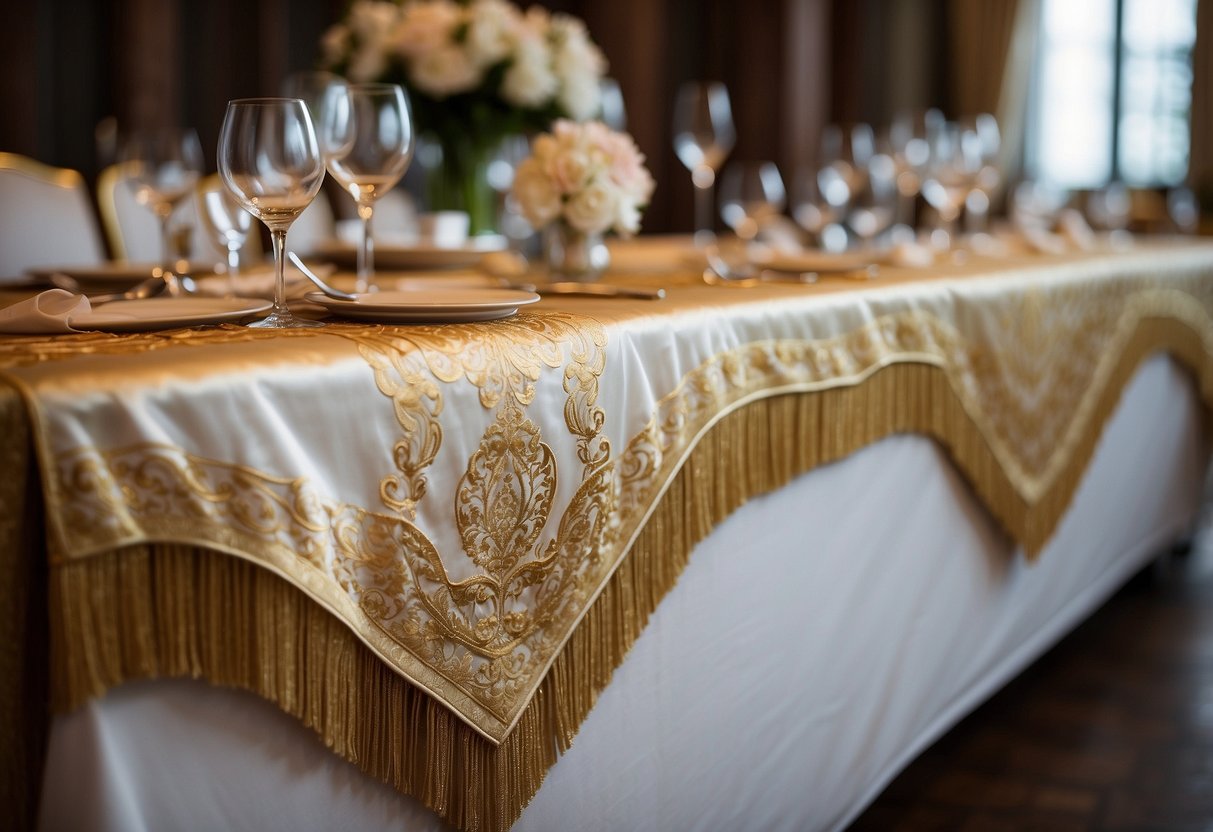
column 167, row 313
column 110, row 277
column 389, row 256
column 429, row 305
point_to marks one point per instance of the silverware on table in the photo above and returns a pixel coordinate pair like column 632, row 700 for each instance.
column 148, row 288
column 598, row 290
column 320, row 284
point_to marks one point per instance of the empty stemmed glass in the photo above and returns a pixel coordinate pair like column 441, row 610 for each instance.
column 814, row 213
column 314, row 88
column 874, row 197
column 751, row 193
column 500, row 174
column 269, row 160
column 842, row 158
column 703, row 137
column 910, row 137
column 1109, row 209
column 612, row 110
column 954, row 164
column 367, row 137
column 226, row 223
column 163, row 165
column 989, row 177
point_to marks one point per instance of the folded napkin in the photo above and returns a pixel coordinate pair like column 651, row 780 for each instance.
column 47, row 313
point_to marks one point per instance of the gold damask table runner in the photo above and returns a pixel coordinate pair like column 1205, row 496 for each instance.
column 490, row 511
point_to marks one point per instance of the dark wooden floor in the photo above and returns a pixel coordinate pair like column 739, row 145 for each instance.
column 1111, row 730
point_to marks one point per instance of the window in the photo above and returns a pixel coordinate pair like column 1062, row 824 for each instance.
column 1113, row 92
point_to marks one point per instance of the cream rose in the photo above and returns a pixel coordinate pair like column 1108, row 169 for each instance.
column 445, row 71
column 536, row 194
column 426, row 26
column 335, row 43
column 593, row 210
column 492, row 25
column 570, row 169
column 529, row 80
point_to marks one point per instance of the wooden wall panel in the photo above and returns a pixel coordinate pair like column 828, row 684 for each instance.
column 791, row 66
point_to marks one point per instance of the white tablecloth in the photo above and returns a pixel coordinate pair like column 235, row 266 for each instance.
column 892, row 606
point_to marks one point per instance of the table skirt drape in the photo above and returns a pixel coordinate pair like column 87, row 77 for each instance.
column 781, row 704
column 211, row 513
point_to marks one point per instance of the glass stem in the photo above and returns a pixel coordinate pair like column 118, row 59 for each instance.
column 366, row 253
column 703, row 215
column 278, row 238
column 233, row 268
column 166, row 254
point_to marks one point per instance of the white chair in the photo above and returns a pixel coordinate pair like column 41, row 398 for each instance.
column 133, row 230
column 46, row 217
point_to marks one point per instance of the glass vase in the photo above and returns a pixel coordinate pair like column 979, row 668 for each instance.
column 460, row 182
column 574, row 255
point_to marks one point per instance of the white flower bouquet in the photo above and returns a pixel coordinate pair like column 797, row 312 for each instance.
column 475, row 71
column 580, row 182
column 585, row 175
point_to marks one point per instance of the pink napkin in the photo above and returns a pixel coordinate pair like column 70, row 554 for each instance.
column 44, row 314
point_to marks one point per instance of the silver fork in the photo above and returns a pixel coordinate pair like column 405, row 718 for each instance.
column 144, row 289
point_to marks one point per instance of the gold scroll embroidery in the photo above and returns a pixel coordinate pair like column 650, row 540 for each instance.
column 492, row 634
column 487, row 639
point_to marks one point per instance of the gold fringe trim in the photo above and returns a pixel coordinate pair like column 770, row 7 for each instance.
column 24, row 686
column 166, row 610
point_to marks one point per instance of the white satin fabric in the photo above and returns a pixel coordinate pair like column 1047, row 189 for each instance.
column 818, row 639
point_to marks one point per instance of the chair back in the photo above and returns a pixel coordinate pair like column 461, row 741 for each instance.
column 46, row 217
column 133, row 230
column 313, row 227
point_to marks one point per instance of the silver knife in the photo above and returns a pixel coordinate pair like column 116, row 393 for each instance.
column 598, row 290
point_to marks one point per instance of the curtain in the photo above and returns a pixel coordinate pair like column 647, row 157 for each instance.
column 992, row 45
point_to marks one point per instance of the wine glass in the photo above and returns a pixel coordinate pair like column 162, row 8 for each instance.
column 226, row 223
column 500, row 174
column 873, row 203
column 842, row 158
column 1109, row 207
column 955, row 161
column 1035, row 206
column 910, row 137
column 612, row 111
column 163, row 165
column 814, row 213
column 751, row 193
column 989, row 178
column 1183, row 209
column 269, row 160
column 368, row 140
column 703, row 136
column 313, row 88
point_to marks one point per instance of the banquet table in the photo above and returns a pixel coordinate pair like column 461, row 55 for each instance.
column 436, row 547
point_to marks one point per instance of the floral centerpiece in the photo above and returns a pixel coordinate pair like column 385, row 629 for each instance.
column 476, row 72
column 581, row 181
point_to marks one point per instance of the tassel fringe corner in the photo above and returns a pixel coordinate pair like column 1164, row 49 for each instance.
column 165, row 610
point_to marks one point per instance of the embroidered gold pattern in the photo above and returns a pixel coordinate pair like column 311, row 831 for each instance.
column 491, row 634
column 112, row 495
column 24, row 350
column 480, row 637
